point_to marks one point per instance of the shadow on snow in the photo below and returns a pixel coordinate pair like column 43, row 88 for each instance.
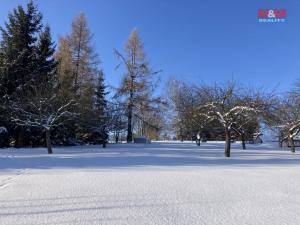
column 145, row 155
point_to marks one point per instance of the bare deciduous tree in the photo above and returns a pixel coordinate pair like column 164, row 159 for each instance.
column 287, row 120
column 38, row 107
column 226, row 105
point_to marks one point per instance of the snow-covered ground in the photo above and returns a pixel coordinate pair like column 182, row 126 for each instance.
column 159, row 183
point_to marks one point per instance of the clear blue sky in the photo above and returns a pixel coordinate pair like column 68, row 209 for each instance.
column 204, row 40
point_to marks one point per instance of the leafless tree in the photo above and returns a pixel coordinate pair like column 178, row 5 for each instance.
column 287, row 119
column 183, row 102
column 246, row 128
column 138, row 84
column 39, row 107
column 117, row 119
column 226, row 105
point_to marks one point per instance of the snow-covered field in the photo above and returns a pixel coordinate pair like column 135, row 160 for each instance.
column 158, row 183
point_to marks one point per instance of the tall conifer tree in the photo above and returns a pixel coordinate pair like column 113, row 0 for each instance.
column 26, row 60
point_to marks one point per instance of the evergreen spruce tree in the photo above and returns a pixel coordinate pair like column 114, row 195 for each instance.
column 46, row 63
column 100, row 93
column 18, row 48
column 17, row 58
column 26, row 60
column 100, row 110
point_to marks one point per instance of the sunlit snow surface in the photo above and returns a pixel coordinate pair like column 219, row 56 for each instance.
column 158, row 183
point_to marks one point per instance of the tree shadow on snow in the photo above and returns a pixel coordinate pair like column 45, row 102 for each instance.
column 145, row 155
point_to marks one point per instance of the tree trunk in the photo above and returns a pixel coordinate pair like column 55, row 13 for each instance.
column 227, row 142
column 198, row 142
column 20, row 138
column 117, row 138
column 280, row 142
column 243, row 141
column 130, row 106
column 293, row 150
column 48, row 141
column 129, row 127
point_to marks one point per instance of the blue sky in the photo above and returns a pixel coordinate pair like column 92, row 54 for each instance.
column 193, row 40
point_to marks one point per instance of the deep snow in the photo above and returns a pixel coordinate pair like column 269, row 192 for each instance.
column 158, row 183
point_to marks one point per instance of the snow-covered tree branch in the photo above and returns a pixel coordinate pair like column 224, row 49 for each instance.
column 285, row 119
column 39, row 107
column 227, row 106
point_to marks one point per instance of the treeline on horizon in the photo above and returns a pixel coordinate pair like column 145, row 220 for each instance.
column 57, row 95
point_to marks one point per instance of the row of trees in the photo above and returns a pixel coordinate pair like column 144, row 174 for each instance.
column 230, row 112
column 44, row 91
column 57, row 94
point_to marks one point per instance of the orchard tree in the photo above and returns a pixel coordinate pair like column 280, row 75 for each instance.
column 226, row 105
column 246, row 128
column 287, row 121
column 283, row 118
column 38, row 107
